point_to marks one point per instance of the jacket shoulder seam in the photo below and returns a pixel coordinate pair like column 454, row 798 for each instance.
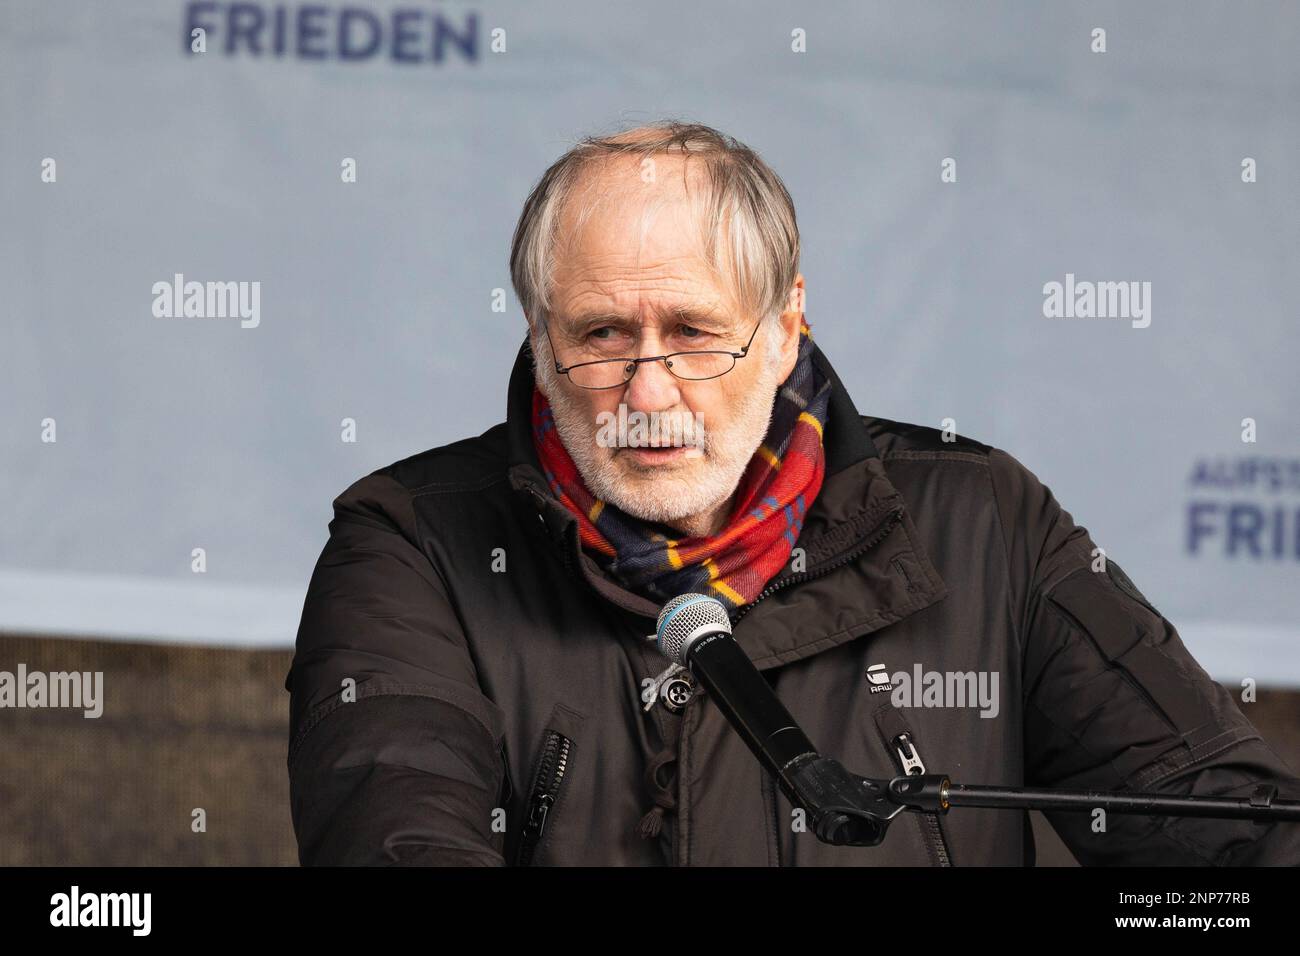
column 920, row 454
column 451, row 487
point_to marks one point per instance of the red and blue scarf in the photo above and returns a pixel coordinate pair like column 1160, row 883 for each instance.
column 771, row 500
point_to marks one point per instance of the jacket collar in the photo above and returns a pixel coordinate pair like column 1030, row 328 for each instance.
column 855, row 507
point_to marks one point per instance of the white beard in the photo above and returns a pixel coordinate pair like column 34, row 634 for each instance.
column 665, row 494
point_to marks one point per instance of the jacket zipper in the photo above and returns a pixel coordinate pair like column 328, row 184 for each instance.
column 877, row 535
column 546, row 789
column 909, row 760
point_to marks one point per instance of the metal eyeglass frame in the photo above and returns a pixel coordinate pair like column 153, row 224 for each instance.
column 637, row 362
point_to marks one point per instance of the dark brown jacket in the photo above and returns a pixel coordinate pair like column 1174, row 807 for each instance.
column 467, row 687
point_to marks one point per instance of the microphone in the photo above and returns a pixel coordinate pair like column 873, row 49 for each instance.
column 694, row 631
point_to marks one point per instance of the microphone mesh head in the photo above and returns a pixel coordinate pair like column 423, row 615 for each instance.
column 682, row 617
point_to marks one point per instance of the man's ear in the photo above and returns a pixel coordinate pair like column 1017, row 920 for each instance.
column 791, row 322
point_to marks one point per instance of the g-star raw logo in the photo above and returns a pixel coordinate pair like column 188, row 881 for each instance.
column 878, row 678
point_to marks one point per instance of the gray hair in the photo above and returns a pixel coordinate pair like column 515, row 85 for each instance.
column 749, row 232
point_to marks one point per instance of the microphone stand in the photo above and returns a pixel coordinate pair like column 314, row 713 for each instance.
column 848, row 810
column 845, row 809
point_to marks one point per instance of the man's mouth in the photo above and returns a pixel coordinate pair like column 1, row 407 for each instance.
column 647, row 455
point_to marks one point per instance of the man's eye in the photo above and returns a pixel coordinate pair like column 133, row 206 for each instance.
column 691, row 332
column 607, row 336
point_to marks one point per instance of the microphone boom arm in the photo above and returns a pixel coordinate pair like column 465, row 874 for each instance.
column 848, row 810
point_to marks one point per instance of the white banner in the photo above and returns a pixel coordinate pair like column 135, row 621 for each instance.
column 1072, row 230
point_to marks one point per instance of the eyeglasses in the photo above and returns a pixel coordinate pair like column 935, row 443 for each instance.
column 696, row 366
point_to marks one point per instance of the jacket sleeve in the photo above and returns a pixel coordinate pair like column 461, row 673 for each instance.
column 395, row 754
column 1114, row 701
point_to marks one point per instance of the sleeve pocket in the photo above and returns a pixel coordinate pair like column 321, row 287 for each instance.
column 1144, row 650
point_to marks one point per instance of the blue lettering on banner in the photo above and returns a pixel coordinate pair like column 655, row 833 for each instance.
column 1244, row 525
column 319, row 32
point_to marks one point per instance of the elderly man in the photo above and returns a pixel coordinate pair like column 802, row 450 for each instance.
column 473, row 682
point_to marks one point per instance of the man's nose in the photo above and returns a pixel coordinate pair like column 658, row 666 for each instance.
column 652, row 388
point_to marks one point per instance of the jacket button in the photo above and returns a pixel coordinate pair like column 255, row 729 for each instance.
column 676, row 693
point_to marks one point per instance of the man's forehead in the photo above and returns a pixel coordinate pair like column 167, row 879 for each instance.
column 631, row 252
column 620, row 192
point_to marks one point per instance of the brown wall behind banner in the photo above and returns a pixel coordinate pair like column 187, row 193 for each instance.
column 186, row 727
column 183, row 727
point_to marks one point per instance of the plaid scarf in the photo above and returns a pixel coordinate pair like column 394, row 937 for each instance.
column 774, row 493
